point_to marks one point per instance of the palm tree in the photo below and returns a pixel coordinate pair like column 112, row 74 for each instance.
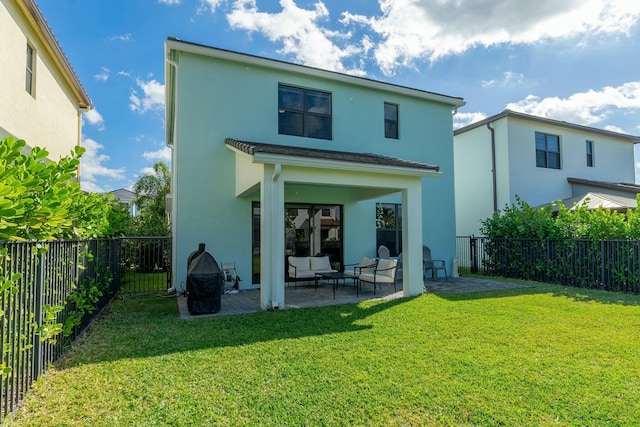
column 151, row 191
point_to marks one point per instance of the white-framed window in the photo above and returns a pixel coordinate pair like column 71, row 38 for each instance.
column 30, row 70
column 391, row 120
column 589, row 148
column 547, row 151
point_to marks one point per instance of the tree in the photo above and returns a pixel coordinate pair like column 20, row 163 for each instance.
column 42, row 200
column 151, row 191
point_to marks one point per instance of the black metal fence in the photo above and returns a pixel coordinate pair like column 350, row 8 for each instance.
column 612, row 265
column 51, row 291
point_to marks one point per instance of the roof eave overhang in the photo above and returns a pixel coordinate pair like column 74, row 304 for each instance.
column 307, row 162
column 549, row 122
column 174, row 44
column 33, row 14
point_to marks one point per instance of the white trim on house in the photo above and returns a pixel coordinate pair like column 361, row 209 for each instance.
column 547, row 121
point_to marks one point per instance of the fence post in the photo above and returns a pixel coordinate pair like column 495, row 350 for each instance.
column 473, row 254
column 38, row 314
column 602, row 264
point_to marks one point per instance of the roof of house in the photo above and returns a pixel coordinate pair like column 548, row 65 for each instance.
column 253, row 148
column 620, row 186
column 174, row 43
column 594, row 200
column 36, row 19
column 123, row 194
column 547, row 121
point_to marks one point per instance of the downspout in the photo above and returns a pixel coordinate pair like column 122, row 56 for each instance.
column 173, row 192
column 493, row 166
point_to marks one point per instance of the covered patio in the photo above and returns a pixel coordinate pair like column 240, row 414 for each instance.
column 271, row 173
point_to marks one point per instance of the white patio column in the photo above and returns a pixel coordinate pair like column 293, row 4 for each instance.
column 266, row 235
column 277, row 239
column 412, row 283
column 272, row 238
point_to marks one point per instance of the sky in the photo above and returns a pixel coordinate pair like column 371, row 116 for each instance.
column 571, row 60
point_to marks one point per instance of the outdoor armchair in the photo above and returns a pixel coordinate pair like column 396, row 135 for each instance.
column 434, row 265
column 384, row 272
column 364, row 265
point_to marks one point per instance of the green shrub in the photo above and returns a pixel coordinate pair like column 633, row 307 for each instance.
column 520, row 220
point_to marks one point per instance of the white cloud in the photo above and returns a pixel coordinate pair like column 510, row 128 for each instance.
column 169, row 2
column 122, row 38
column 152, row 98
column 301, row 32
column 212, row 5
column 163, row 154
column 91, row 166
column 147, row 171
column 509, row 78
column 411, row 30
column 93, row 117
column 103, row 75
column 584, row 108
column 464, row 119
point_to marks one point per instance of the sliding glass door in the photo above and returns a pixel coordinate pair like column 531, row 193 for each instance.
column 309, row 230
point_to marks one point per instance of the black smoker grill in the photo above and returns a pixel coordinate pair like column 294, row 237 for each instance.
column 205, row 282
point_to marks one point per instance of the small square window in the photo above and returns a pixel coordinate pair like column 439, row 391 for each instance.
column 390, row 120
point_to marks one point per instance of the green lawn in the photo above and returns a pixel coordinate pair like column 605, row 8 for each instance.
column 545, row 355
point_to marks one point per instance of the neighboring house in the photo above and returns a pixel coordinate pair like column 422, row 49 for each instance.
column 127, row 198
column 272, row 158
column 540, row 160
column 42, row 98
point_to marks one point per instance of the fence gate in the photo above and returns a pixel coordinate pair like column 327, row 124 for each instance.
column 145, row 264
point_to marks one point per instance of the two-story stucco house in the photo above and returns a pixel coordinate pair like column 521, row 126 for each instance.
column 42, row 98
column 272, row 158
column 538, row 159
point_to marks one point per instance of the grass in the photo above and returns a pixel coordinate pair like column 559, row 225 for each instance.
column 545, row 355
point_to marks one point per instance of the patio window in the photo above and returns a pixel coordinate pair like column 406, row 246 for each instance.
column 304, row 112
column 390, row 120
column 389, row 227
column 547, row 151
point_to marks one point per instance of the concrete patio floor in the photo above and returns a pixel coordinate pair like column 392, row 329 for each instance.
column 248, row 301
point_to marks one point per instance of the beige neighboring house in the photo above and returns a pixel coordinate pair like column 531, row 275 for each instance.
column 42, row 97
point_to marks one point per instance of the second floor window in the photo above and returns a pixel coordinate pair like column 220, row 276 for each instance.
column 547, row 151
column 390, row 120
column 30, row 62
column 304, row 112
column 590, row 153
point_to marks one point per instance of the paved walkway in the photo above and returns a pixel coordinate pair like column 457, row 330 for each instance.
column 248, row 301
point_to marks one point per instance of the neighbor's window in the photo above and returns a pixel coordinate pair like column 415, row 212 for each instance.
column 304, row 112
column 390, row 120
column 30, row 62
column 590, row 153
column 547, row 151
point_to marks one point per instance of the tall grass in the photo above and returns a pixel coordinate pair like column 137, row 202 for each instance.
column 537, row 356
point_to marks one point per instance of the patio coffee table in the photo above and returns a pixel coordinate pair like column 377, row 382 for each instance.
column 335, row 277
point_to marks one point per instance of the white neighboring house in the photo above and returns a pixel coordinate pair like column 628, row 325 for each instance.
column 42, row 98
column 538, row 159
column 127, row 198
